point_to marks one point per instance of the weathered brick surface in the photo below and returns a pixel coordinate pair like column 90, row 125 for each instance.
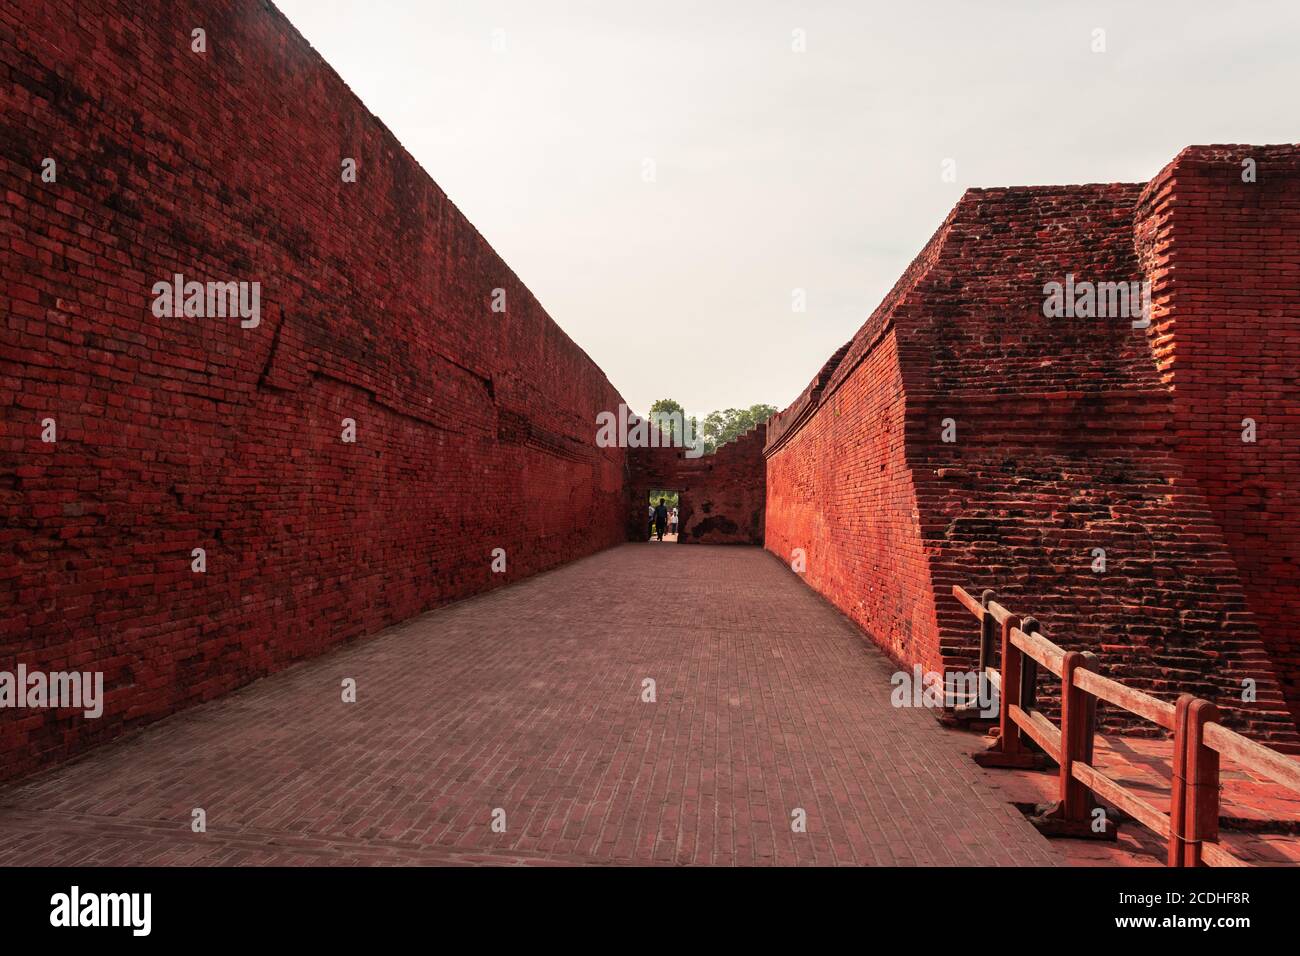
column 722, row 496
column 530, row 699
column 474, row 428
column 841, row 492
column 1224, row 258
column 1065, row 442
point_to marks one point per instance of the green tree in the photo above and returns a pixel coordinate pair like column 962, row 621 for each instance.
column 730, row 423
column 669, row 497
column 718, row 428
column 669, row 415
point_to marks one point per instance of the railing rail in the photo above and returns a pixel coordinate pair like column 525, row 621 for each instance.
column 1192, row 823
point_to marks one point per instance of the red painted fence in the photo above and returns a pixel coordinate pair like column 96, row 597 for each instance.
column 1192, row 821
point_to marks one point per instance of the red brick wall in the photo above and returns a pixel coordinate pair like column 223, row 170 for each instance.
column 721, row 496
column 1063, row 431
column 475, row 429
column 1224, row 259
column 840, row 490
column 727, row 493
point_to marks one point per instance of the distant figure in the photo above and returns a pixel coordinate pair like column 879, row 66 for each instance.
column 672, row 521
column 650, row 523
column 661, row 519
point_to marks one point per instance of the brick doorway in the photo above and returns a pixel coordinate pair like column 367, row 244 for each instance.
column 672, row 500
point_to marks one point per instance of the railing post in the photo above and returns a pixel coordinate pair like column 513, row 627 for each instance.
column 1178, row 796
column 1071, row 815
column 1074, row 724
column 1028, row 678
column 971, row 709
column 1201, row 814
column 1012, row 660
column 987, row 635
column 1009, row 749
column 1089, row 733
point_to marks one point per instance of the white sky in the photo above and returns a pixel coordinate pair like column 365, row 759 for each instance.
column 778, row 170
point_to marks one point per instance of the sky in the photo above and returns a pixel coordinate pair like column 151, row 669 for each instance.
column 665, row 175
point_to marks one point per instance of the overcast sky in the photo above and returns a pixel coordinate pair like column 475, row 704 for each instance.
column 777, row 170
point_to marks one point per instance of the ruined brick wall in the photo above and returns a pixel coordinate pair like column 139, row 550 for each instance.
column 1062, row 434
column 474, row 428
column 722, row 496
column 1220, row 238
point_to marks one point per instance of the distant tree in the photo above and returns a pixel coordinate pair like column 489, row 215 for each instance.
column 730, row 423
column 718, row 427
column 669, row 416
column 669, row 497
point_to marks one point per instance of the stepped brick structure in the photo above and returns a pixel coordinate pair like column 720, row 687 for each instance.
column 192, row 498
column 1224, row 260
column 963, row 437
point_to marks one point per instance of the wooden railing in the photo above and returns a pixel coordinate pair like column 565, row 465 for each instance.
column 1192, row 822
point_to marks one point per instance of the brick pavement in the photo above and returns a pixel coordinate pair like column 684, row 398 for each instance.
column 528, row 699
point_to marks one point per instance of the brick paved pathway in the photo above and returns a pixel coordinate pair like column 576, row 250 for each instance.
column 529, row 699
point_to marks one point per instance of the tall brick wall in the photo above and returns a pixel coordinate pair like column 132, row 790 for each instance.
column 1064, row 443
column 840, row 491
column 721, row 496
column 1221, row 242
column 474, row 428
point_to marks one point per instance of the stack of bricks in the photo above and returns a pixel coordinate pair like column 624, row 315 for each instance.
column 965, row 437
column 473, row 415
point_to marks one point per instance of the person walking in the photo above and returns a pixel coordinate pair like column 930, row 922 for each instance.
column 661, row 519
